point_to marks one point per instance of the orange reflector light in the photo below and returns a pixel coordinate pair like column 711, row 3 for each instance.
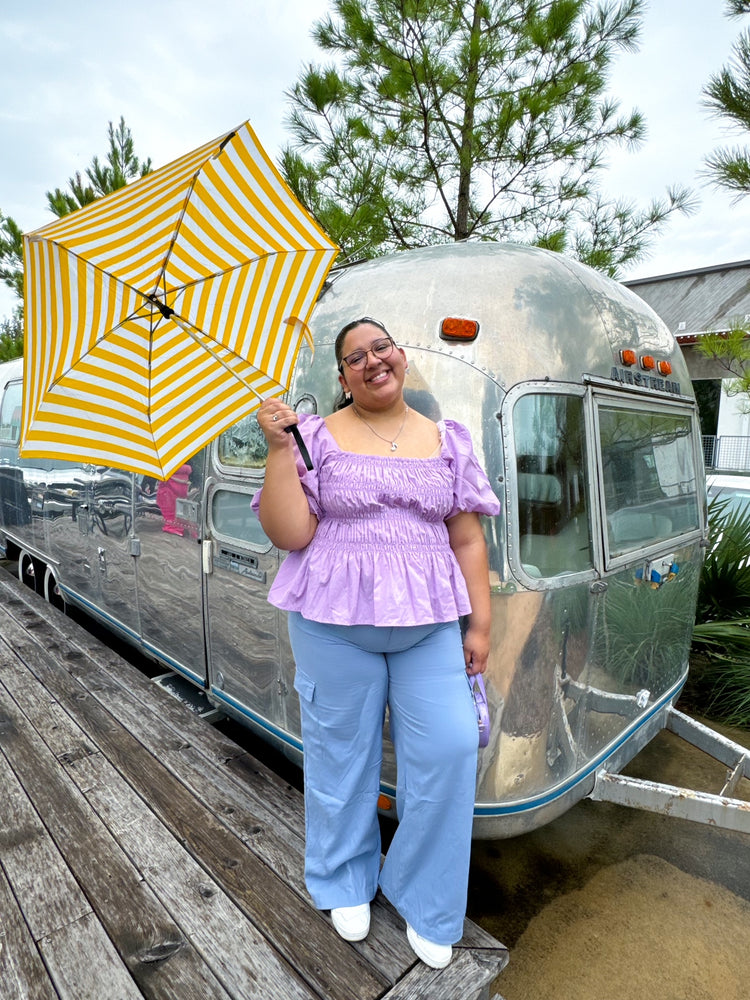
column 384, row 802
column 627, row 357
column 648, row 363
column 665, row 368
column 453, row 328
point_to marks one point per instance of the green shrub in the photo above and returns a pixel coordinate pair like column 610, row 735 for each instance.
column 719, row 686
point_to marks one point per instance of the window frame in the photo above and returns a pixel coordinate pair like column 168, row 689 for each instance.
column 513, row 528
column 11, row 383
column 214, row 487
column 593, row 397
column 601, row 399
column 256, row 474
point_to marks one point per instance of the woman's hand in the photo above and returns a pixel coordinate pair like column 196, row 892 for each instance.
column 274, row 417
column 283, row 511
column 476, row 650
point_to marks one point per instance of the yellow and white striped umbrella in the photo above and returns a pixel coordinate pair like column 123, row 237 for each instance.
column 160, row 315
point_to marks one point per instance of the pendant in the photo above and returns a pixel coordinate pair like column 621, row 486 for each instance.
column 393, row 446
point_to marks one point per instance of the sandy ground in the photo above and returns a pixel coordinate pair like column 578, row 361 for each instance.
column 609, row 903
column 639, row 930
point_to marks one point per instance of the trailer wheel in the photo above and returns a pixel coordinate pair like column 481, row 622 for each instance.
column 52, row 593
column 27, row 571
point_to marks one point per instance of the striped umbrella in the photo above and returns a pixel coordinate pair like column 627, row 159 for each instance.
column 162, row 314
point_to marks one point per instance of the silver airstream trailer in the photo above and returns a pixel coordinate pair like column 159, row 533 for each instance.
column 582, row 412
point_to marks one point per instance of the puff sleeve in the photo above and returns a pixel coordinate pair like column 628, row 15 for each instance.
column 471, row 487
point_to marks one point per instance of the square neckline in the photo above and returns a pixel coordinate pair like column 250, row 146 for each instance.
column 436, row 454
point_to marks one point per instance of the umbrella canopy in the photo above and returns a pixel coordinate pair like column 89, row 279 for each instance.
column 160, row 315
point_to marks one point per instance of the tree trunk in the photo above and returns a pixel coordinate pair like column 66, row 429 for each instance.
column 467, row 130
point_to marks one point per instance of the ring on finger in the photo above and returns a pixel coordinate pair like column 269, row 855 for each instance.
column 275, row 417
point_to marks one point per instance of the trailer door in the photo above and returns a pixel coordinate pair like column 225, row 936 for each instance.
column 167, row 555
column 109, row 517
column 243, row 627
column 240, row 564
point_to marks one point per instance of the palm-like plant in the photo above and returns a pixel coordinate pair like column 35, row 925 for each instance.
column 720, row 657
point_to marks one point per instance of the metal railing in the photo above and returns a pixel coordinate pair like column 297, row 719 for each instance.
column 726, row 452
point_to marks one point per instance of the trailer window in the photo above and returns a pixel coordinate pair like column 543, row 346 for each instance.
column 10, row 413
column 649, row 478
column 553, row 508
column 243, row 446
column 232, row 518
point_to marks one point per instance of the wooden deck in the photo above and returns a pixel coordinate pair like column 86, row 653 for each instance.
column 144, row 854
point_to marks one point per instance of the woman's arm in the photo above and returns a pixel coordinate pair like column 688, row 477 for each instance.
column 469, row 547
column 284, row 512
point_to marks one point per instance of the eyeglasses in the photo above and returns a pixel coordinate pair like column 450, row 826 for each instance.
column 380, row 350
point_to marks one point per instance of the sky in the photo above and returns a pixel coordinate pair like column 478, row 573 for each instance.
column 182, row 72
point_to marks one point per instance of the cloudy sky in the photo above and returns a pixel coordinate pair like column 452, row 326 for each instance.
column 184, row 71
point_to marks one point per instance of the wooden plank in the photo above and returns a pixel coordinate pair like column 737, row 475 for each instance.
column 54, row 908
column 160, row 959
column 84, row 965
column 238, row 954
column 227, row 781
column 240, row 808
column 297, row 931
column 468, row 977
column 174, row 734
column 229, row 798
column 281, row 800
column 47, row 892
column 23, row 975
column 386, row 946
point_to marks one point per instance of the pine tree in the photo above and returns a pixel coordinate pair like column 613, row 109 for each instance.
column 11, row 254
column 445, row 120
column 11, row 336
column 727, row 95
column 122, row 165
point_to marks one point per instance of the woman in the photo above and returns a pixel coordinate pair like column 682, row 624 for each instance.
column 386, row 553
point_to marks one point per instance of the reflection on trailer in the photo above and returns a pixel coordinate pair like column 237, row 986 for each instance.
column 581, row 411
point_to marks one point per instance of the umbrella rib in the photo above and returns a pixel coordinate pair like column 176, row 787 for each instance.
column 169, row 313
column 227, row 138
column 170, row 248
column 99, row 269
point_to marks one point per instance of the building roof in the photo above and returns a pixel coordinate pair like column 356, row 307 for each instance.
column 698, row 301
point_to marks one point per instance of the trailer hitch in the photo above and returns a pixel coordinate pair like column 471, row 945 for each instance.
column 721, row 810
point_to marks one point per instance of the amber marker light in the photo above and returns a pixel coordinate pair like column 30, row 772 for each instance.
column 665, row 368
column 453, row 328
column 648, row 362
column 627, row 357
column 384, row 802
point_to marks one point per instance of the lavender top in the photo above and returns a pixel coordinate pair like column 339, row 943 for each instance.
column 380, row 554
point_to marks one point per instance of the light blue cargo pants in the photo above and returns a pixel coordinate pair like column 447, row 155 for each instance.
column 346, row 675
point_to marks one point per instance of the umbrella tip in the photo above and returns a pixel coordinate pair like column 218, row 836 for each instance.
column 224, row 141
column 163, row 308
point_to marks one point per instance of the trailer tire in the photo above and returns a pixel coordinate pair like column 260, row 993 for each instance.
column 52, row 593
column 29, row 571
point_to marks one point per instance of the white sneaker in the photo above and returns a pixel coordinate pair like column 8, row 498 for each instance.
column 352, row 922
column 437, row 956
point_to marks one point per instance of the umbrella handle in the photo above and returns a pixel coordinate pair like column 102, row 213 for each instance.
column 294, row 429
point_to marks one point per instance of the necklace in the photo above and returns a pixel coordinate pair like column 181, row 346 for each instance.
column 390, row 441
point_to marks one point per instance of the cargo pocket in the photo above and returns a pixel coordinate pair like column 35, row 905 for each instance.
column 304, row 686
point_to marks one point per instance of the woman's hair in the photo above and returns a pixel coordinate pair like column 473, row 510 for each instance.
column 341, row 400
